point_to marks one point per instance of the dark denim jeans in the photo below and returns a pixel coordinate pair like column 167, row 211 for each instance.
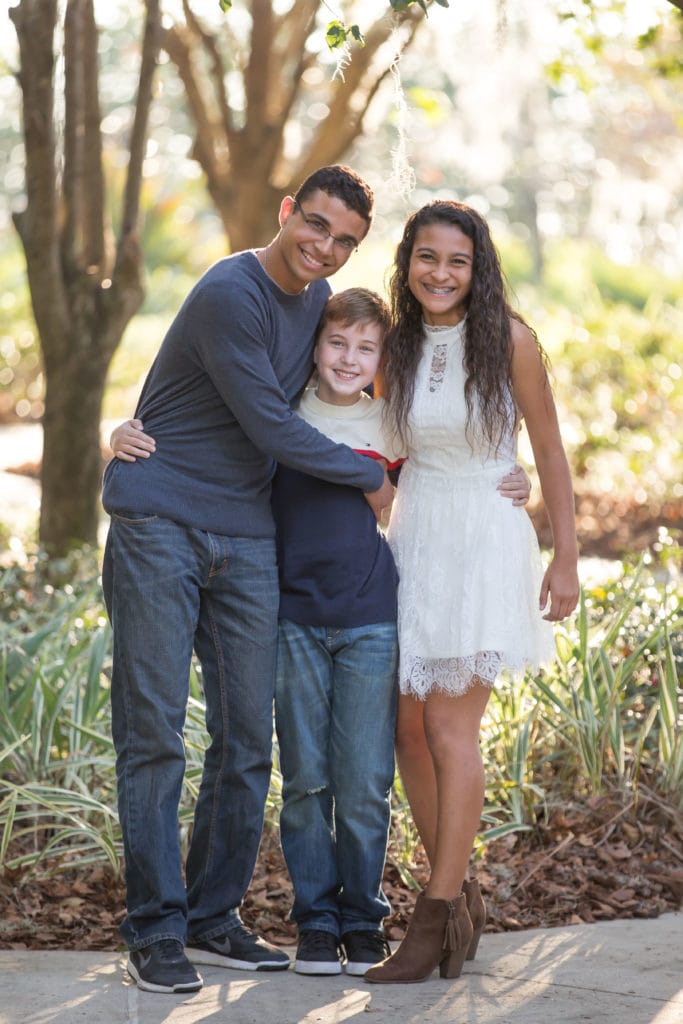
column 335, row 713
column 168, row 589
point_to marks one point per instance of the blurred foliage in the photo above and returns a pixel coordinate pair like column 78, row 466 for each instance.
column 614, row 344
column 21, row 378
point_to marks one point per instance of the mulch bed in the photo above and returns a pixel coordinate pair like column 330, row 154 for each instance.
column 598, row 860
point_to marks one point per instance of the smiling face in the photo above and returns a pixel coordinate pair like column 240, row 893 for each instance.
column 301, row 253
column 347, row 358
column 440, row 272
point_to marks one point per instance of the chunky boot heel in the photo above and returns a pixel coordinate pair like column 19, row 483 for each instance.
column 476, row 908
column 457, row 938
column 438, row 935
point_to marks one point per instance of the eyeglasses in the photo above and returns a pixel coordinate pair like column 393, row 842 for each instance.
column 348, row 243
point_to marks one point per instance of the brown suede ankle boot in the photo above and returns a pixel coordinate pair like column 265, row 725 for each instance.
column 476, row 908
column 439, row 933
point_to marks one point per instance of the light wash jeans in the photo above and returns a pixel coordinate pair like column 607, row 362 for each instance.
column 170, row 588
column 335, row 714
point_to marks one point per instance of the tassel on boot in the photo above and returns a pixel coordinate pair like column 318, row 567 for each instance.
column 457, row 938
column 439, row 934
column 476, row 908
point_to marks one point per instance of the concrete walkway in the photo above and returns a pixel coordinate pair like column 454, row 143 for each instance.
column 622, row 972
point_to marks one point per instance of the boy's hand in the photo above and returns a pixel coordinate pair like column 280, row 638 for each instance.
column 129, row 442
column 516, row 486
column 381, row 499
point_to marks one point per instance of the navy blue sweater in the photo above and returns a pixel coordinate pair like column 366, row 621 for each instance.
column 335, row 566
column 217, row 400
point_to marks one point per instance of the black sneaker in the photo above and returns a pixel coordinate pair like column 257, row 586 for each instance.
column 318, row 953
column 163, row 967
column 364, row 950
column 240, row 948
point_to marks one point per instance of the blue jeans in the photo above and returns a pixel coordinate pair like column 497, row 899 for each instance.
column 170, row 588
column 335, row 714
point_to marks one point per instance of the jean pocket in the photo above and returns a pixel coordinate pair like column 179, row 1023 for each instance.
column 134, row 518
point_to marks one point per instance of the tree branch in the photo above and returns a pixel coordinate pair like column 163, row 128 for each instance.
column 94, row 205
column 35, row 21
column 74, row 100
column 150, row 53
column 257, row 73
column 290, row 35
column 175, row 42
column 217, row 69
column 354, row 94
column 292, row 29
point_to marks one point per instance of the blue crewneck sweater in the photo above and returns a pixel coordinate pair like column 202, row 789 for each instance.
column 217, row 401
column 335, row 566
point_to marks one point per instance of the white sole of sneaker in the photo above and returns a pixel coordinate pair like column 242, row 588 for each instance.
column 149, row 986
column 358, row 970
column 317, row 967
column 207, row 959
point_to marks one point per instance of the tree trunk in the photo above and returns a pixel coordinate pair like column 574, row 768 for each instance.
column 76, row 365
column 84, row 290
column 71, row 453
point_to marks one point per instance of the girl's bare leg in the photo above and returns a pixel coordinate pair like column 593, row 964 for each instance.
column 437, row 749
column 451, row 726
column 416, row 768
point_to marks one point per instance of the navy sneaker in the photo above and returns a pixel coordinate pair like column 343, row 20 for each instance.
column 163, row 967
column 318, row 952
column 364, row 950
column 239, row 948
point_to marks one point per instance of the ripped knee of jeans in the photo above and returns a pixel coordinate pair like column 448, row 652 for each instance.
column 316, row 790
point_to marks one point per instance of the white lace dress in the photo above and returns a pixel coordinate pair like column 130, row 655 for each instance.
column 468, row 560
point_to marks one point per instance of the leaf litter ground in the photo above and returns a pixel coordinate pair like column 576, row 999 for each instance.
column 598, row 860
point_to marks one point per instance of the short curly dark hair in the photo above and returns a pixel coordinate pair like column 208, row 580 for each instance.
column 342, row 182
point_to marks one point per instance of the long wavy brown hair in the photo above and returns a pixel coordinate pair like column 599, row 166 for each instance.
column 488, row 342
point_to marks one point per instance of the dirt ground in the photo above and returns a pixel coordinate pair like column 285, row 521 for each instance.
column 595, row 861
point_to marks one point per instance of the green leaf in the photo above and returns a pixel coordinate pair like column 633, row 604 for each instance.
column 503, row 830
column 225, row 5
column 357, row 35
column 335, row 35
column 8, row 823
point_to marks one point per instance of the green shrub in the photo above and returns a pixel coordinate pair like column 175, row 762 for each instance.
column 608, row 709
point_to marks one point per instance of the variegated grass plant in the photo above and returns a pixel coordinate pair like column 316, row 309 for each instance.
column 608, row 709
column 610, row 706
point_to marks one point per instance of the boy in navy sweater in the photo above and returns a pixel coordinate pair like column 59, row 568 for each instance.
column 335, row 693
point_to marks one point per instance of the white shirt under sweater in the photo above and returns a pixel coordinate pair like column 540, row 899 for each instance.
column 361, row 426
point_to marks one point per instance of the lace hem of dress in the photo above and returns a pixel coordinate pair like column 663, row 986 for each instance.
column 452, row 676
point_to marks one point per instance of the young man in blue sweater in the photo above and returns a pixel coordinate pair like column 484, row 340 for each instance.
column 191, row 563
